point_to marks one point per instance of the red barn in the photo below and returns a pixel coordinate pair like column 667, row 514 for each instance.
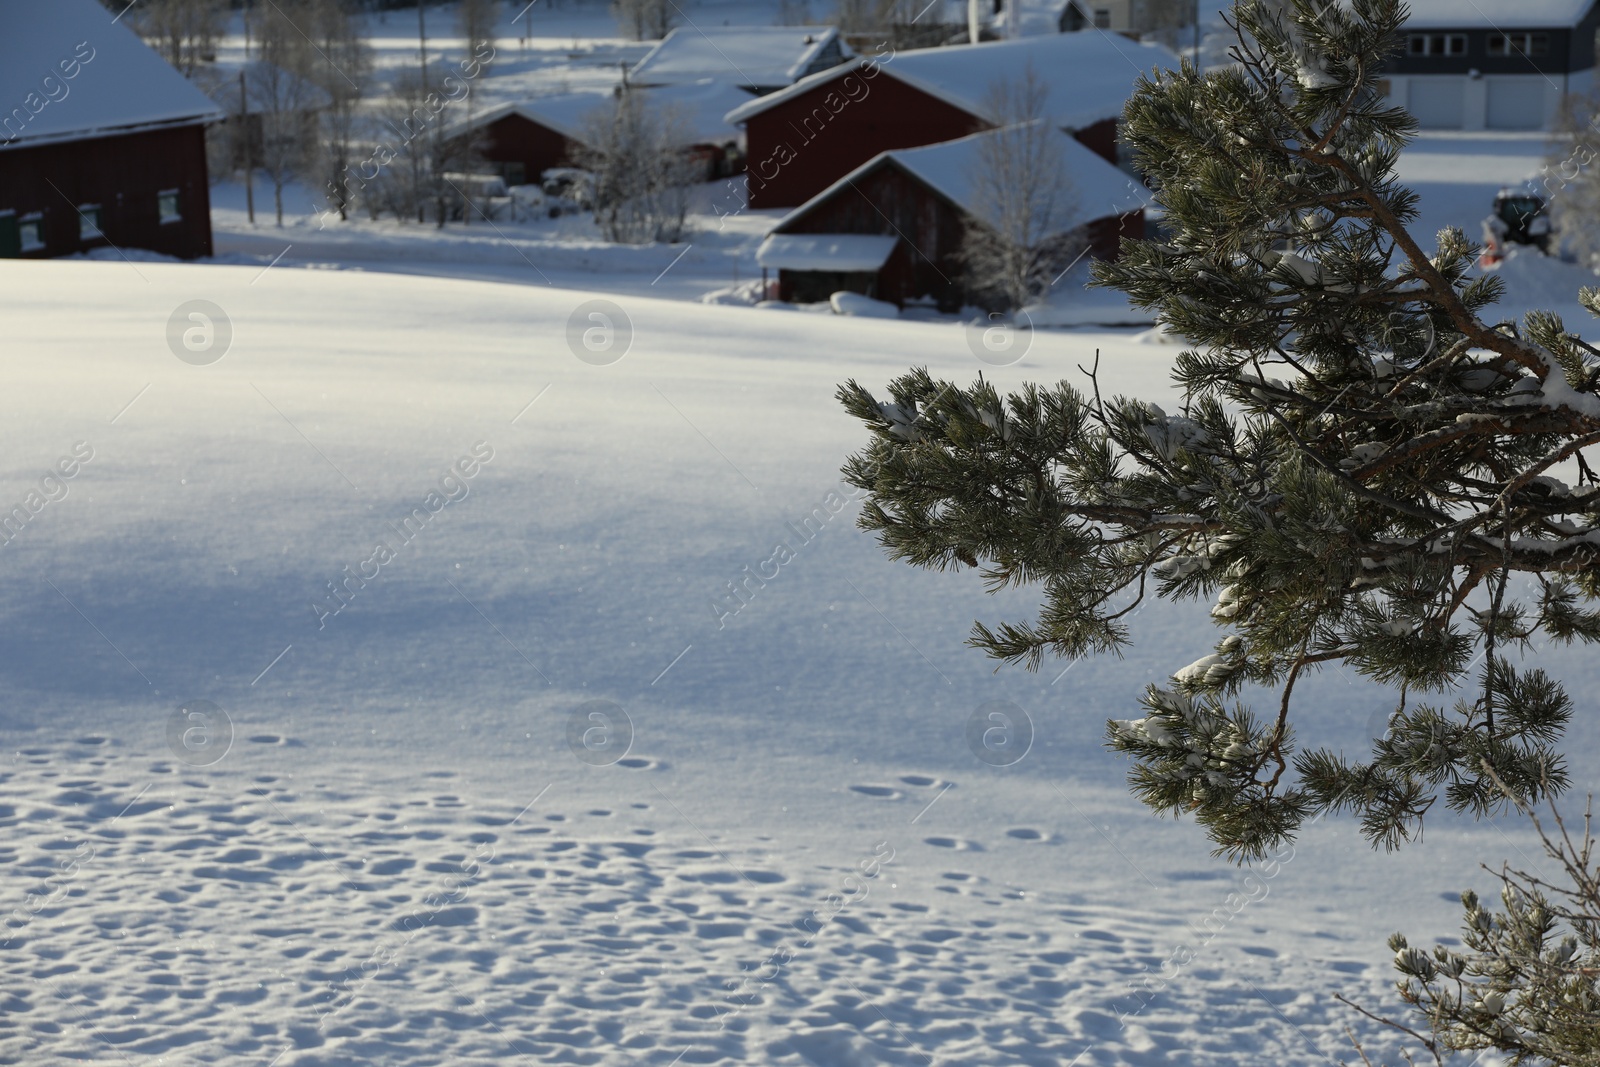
column 104, row 144
column 524, row 140
column 804, row 138
column 893, row 228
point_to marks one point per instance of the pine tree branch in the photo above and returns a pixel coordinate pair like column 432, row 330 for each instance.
column 1431, row 1046
column 1530, row 473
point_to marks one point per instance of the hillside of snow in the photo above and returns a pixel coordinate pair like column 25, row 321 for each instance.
column 304, row 659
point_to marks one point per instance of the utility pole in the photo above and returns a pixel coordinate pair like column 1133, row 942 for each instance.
column 244, row 136
column 1196, row 34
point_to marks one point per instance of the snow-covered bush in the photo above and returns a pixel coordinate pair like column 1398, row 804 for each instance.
column 641, row 174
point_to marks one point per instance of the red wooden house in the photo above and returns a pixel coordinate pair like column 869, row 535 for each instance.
column 523, row 140
column 104, row 143
column 806, row 137
column 893, row 228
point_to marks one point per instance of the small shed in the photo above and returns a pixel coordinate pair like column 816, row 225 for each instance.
column 758, row 59
column 804, row 138
column 104, row 142
column 894, row 228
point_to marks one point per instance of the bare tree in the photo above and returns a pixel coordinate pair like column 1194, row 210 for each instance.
column 285, row 101
column 794, row 13
column 898, row 23
column 856, row 16
column 642, row 172
column 643, row 19
column 1569, row 181
column 185, row 32
column 1162, row 18
column 1020, row 237
column 402, row 183
column 476, row 21
column 340, row 65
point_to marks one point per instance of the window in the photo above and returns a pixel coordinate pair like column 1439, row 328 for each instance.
column 167, row 206
column 1102, row 18
column 10, row 246
column 1436, row 44
column 30, row 232
column 89, row 222
column 1519, row 44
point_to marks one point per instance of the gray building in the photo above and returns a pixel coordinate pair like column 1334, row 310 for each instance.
column 1486, row 65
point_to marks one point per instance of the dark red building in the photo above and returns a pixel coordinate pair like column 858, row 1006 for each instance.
column 804, row 138
column 523, row 140
column 105, row 145
column 893, row 229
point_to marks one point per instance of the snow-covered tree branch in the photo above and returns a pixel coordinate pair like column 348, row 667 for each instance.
column 1363, row 459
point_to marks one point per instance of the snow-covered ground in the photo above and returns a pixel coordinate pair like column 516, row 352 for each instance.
column 247, row 822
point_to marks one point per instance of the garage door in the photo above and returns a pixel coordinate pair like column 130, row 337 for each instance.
column 1516, row 103
column 1436, row 102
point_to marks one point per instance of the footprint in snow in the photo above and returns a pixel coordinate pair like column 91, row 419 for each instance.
column 1027, row 833
column 922, row 781
column 959, row 844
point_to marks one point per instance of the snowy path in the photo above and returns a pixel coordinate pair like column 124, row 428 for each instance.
column 387, row 849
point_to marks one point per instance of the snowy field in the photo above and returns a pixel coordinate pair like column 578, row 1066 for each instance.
column 250, row 819
column 249, row 823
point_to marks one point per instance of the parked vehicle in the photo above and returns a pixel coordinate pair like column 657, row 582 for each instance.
column 1519, row 217
column 475, row 185
column 569, row 190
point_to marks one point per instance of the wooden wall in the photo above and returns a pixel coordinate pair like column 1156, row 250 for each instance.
column 798, row 148
column 123, row 175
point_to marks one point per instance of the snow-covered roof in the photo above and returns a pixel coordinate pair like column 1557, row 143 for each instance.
column 825, row 251
column 950, row 168
column 119, row 84
column 565, row 113
column 1089, row 75
column 698, row 108
column 756, row 56
column 1523, row 15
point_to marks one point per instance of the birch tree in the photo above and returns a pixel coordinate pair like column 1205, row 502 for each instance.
column 1020, row 239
